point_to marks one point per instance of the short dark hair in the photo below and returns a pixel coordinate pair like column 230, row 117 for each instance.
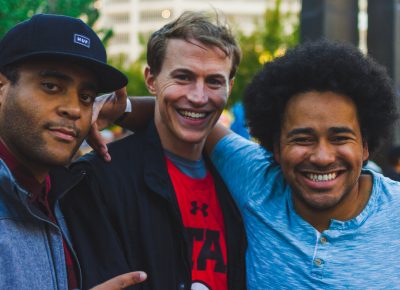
column 11, row 72
column 321, row 66
column 393, row 155
column 193, row 25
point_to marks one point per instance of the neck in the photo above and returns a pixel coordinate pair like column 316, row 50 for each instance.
column 37, row 171
column 349, row 207
column 170, row 142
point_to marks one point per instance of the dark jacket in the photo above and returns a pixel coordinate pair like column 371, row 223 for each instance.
column 124, row 217
column 31, row 245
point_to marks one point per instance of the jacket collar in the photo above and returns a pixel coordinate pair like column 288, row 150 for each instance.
column 63, row 179
column 155, row 169
column 22, row 174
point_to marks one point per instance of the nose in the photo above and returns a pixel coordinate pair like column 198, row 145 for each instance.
column 70, row 107
column 197, row 94
column 323, row 154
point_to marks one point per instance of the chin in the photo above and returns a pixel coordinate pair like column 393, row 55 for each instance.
column 319, row 201
column 319, row 205
column 195, row 137
column 59, row 158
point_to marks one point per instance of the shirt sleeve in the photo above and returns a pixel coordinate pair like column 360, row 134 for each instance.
column 242, row 164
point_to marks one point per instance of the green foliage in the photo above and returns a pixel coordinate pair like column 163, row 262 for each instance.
column 13, row 11
column 72, row 8
column 266, row 42
column 134, row 71
column 136, row 85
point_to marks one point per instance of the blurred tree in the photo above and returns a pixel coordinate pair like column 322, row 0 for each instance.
column 12, row 12
column 269, row 39
column 135, row 70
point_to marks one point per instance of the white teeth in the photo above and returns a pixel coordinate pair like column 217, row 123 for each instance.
column 321, row 177
column 192, row 115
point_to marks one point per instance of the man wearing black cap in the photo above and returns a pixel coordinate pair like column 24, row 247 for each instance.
column 51, row 69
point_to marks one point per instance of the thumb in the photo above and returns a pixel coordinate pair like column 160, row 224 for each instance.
column 122, row 281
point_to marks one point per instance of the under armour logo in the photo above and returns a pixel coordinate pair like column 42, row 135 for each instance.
column 195, row 208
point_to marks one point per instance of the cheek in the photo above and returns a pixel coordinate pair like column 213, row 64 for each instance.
column 167, row 89
column 85, row 121
column 221, row 102
column 293, row 155
column 353, row 154
column 219, row 97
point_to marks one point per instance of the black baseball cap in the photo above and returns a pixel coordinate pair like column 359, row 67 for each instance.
column 60, row 36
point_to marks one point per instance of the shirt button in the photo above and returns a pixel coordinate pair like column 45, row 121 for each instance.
column 323, row 240
column 318, row 262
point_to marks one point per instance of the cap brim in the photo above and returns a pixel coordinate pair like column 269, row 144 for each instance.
column 110, row 79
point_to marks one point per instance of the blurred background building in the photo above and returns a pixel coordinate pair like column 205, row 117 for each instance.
column 131, row 18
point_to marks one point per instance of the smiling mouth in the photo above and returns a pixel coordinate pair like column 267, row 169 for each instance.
column 321, row 177
column 192, row 115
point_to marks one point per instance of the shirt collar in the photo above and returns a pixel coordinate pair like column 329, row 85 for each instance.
column 22, row 174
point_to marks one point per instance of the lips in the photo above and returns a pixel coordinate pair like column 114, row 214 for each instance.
column 192, row 114
column 318, row 177
column 66, row 134
column 322, row 180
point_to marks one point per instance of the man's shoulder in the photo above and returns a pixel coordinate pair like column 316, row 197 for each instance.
column 385, row 184
column 387, row 194
column 118, row 150
column 237, row 147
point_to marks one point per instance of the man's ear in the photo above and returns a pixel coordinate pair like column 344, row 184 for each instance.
column 231, row 82
column 365, row 151
column 150, row 79
column 277, row 152
column 4, row 85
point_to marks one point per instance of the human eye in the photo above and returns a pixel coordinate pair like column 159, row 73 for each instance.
column 182, row 77
column 87, row 98
column 215, row 83
column 50, row 87
column 340, row 139
column 302, row 140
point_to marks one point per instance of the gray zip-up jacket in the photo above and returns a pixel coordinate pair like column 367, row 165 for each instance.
column 31, row 248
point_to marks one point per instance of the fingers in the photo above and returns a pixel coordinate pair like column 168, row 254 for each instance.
column 99, row 103
column 96, row 141
column 122, row 281
column 121, row 94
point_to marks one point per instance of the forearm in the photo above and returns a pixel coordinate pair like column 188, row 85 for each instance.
column 217, row 133
column 142, row 113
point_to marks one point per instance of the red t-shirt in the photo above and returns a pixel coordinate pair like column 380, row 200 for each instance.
column 203, row 220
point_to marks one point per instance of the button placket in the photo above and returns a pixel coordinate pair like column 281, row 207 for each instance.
column 320, row 257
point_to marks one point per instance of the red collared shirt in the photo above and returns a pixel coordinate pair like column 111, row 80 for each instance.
column 40, row 198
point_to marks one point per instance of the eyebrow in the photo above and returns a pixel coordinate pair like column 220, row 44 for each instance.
column 337, row 130
column 181, row 70
column 308, row 131
column 189, row 72
column 62, row 76
column 298, row 131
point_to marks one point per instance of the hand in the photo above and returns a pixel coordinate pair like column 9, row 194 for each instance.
column 98, row 144
column 108, row 108
column 122, row 281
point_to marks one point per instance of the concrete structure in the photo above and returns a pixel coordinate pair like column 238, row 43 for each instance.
column 131, row 18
